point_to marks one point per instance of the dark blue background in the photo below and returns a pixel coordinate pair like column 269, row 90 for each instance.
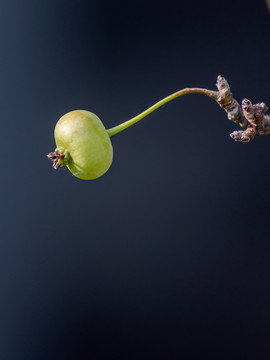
column 167, row 255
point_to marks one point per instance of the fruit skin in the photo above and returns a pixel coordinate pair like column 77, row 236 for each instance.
column 82, row 135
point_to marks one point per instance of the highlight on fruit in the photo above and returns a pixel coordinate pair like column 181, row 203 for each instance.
column 84, row 146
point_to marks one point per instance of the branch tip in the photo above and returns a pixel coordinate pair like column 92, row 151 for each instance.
column 246, row 115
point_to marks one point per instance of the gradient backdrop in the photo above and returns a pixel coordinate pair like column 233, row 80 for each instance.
column 167, row 255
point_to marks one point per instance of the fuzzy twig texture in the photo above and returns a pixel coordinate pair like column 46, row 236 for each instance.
column 250, row 116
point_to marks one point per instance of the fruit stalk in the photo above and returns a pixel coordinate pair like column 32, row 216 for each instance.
column 132, row 121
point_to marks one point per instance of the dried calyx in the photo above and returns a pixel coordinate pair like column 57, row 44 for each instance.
column 59, row 158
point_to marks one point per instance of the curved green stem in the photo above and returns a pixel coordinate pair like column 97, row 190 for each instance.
column 126, row 124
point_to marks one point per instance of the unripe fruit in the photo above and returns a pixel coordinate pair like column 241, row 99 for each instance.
column 84, row 144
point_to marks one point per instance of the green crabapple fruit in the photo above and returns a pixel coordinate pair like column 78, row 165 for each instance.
column 84, row 145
